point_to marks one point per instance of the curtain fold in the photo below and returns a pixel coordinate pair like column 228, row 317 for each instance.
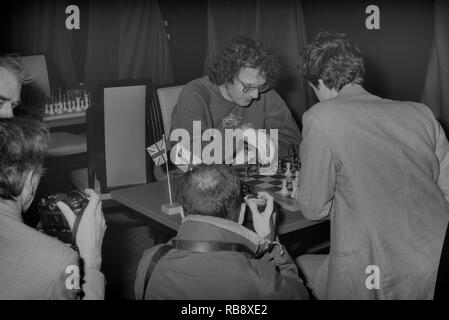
column 282, row 25
column 436, row 87
column 38, row 27
column 133, row 46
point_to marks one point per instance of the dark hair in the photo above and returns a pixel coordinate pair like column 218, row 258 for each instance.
column 212, row 190
column 23, row 145
column 14, row 64
column 243, row 53
column 333, row 59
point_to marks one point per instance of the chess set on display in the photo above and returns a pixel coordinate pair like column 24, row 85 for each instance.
column 72, row 101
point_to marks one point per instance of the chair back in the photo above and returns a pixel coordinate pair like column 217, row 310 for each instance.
column 117, row 131
column 165, row 98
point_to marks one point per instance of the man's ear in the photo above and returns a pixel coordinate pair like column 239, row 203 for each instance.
column 242, row 213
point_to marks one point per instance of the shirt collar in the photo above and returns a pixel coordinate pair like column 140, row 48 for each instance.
column 206, row 228
column 11, row 209
column 353, row 90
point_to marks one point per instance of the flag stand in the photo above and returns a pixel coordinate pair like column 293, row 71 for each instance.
column 172, row 207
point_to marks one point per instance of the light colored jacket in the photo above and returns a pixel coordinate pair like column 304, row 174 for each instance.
column 229, row 275
column 34, row 266
column 380, row 170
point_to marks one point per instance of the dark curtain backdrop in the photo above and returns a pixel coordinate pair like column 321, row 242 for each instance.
column 436, row 88
column 38, row 26
column 126, row 39
column 281, row 24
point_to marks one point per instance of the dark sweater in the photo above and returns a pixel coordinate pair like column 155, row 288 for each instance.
column 202, row 101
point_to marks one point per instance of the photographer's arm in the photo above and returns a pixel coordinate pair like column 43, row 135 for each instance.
column 69, row 285
column 279, row 271
column 89, row 240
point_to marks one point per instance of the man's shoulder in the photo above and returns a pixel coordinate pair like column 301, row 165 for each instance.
column 201, row 88
column 28, row 254
column 199, row 85
column 32, row 243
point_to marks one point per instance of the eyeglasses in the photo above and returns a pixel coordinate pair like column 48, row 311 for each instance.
column 249, row 87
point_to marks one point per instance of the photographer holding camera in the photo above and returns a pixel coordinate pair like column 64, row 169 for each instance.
column 34, row 265
column 214, row 256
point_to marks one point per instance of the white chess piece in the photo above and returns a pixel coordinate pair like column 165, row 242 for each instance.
column 296, row 181
column 295, row 188
column 78, row 107
column 288, row 173
column 59, row 110
column 47, row 110
column 69, row 106
column 284, row 190
column 51, row 111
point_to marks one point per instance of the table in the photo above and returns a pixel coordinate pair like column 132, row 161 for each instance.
column 65, row 119
column 147, row 200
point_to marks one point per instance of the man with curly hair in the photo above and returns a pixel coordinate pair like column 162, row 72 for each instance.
column 12, row 76
column 379, row 169
column 237, row 93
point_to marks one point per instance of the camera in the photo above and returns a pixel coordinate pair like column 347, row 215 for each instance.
column 52, row 221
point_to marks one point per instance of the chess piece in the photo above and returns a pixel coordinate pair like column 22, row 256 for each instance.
column 292, row 153
column 78, row 106
column 47, row 110
column 295, row 188
column 296, row 181
column 247, row 171
column 51, row 110
column 279, row 167
column 284, row 190
column 288, row 173
column 59, row 107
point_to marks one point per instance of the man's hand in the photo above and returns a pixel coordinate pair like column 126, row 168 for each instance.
column 262, row 221
column 90, row 230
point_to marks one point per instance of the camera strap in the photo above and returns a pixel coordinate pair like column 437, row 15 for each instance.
column 75, row 228
column 194, row 246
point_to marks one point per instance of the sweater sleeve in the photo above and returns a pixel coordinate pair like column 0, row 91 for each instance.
column 278, row 116
column 279, row 276
column 192, row 106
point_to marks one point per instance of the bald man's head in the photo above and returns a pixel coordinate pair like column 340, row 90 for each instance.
column 212, row 190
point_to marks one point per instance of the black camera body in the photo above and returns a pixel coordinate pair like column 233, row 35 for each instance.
column 53, row 222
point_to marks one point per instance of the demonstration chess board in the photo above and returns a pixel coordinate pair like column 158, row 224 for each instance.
column 273, row 185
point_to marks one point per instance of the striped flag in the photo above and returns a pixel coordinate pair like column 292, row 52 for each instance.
column 158, row 152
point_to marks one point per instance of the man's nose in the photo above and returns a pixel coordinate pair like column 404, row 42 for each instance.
column 6, row 111
column 254, row 93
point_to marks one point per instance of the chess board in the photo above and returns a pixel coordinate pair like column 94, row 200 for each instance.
column 273, row 185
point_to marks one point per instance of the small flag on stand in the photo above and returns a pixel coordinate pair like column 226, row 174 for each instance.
column 158, row 153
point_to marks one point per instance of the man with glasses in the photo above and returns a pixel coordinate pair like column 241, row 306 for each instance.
column 237, row 93
column 12, row 76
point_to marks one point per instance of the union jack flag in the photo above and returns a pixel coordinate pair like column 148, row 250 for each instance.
column 158, row 152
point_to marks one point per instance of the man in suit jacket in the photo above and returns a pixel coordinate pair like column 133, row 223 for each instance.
column 379, row 169
column 32, row 264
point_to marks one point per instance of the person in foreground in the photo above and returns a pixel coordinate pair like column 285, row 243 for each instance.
column 213, row 256
column 379, row 169
column 32, row 264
